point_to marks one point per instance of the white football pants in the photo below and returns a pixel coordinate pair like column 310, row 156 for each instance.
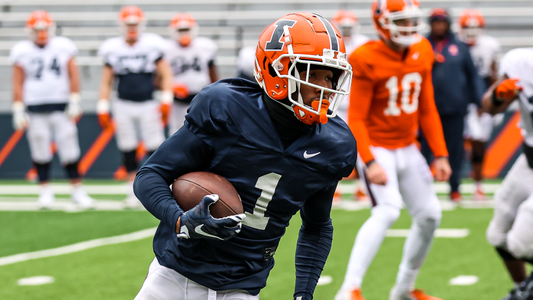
column 478, row 128
column 511, row 226
column 163, row 283
column 53, row 126
column 136, row 120
column 409, row 182
column 179, row 110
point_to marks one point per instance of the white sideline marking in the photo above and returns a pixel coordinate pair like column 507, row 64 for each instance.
column 439, row 233
column 7, row 260
column 464, row 280
column 324, row 280
column 36, row 280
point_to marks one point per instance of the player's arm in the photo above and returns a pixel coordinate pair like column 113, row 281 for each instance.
column 314, row 242
column 104, row 93
column 361, row 95
column 431, row 126
column 20, row 118
column 167, row 96
column 74, row 107
column 213, row 71
column 474, row 81
column 500, row 95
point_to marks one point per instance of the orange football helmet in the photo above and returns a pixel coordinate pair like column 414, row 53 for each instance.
column 131, row 21
column 183, row 28
column 398, row 20
column 471, row 24
column 347, row 23
column 40, row 27
column 307, row 40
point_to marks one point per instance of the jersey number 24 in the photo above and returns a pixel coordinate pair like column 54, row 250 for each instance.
column 408, row 106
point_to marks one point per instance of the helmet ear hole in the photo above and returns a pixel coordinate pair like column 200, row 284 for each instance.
column 271, row 71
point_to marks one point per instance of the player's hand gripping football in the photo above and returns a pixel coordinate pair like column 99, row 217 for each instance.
column 197, row 223
column 508, row 89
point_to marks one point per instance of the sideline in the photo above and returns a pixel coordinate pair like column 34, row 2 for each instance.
column 138, row 235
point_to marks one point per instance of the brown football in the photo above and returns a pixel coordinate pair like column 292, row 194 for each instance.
column 189, row 189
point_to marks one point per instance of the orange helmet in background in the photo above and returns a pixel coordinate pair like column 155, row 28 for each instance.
column 131, row 21
column 40, row 26
column 346, row 22
column 389, row 17
column 183, row 28
column 471, row 24
column 296, row 42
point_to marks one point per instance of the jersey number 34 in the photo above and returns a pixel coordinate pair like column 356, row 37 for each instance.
column 409, row 81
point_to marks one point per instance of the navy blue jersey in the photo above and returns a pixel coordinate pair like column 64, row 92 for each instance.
column 228, row 131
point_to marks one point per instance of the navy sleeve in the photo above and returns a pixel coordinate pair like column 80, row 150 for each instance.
column 314, row 242
column 473, row 78
column 182, row 153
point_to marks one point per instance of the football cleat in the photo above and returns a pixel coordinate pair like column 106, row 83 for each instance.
column 46, row 198
column 456, row 197
column 80, row 197
column 479, row 195
column 349, row 294
column 356, row 295
column 415, row 294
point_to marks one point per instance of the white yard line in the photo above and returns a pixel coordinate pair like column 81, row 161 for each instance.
column 78, row 247
column 439, row 233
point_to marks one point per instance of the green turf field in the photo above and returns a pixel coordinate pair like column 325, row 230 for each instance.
column 117, row 271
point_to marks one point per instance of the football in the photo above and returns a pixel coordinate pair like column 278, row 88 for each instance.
column 189, row 189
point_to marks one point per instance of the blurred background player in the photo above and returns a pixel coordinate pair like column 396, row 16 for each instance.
column 192, row 59
column 277, row 140
column 391, row 95
column 478, row 125
column 349, row 27
column 132, row 59
column 46, row 101
column 456, row 85
column 511, row 229
column 246, row 63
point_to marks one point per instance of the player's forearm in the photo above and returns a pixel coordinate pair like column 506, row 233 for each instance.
column 489, row 105
column 106, row 82
column 363, row 139
column 18, row 83
column 432, row 128
column 74, row 76
column 312, row 251
column 164, row 69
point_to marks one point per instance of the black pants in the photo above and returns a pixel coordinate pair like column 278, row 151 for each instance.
column 453, row 134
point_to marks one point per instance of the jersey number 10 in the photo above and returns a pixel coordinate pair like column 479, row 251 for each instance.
column 407, row 106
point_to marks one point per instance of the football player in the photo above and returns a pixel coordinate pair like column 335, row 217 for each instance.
column 511, row 227
column 46, row 102
column 132, row 59
column 391, row 95
column 246, row 63
column 484, row 50
column 192, row 59
column 279, row 143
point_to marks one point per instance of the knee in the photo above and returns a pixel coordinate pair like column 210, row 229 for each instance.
column 386, row 213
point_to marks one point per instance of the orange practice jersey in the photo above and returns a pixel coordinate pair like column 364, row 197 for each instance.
column 391, row 94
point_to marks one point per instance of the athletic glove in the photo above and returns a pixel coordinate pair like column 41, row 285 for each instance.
column 102, row 112
column 508, row 89
column 197, row 223
column 181, row 91
column 20, row 117
column 167, row 98
column 74, row 107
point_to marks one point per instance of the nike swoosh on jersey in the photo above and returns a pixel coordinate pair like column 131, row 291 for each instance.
column 198, row 229
column 307, row 155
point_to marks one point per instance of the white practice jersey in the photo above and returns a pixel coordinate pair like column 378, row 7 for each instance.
column 46, row 74
column 134, row 66
column 190, row 65
column 519, row 63
column 246, row 61
column 484, row 52
column 355, row 42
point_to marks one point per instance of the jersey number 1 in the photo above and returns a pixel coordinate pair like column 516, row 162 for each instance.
column 407, row 106
column 267, row 184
